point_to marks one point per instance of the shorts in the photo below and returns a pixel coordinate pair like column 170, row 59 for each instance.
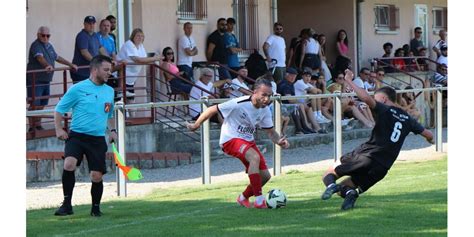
column 94, row 147
column 312, row 61
column 41, row 89
column 364, row 171
column 179, row 86
column 237, row 148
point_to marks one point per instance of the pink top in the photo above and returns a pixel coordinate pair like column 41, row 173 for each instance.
column 343, row 48
column 173, row 68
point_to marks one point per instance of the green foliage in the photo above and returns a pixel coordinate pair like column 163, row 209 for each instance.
column 410, row 201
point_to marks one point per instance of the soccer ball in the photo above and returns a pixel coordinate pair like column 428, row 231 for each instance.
column 275, row 199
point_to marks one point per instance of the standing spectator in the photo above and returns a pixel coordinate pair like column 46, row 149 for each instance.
column 416, row 43
column 105, row 39
column 92, row 104
column 41, row 56
column 311, row 52
column 387, row 48
column 177, row 85
column 275, row 48
column 216, row 51
column 342, row 45
column 113, row 26
column 324, row 66
column 132, row 51
column 443, row 58
column 186, row 50
column 239, row 86
column 205, row 82
column 232, row 46
column 440, row 43
column 294, row 52
column 86, row 47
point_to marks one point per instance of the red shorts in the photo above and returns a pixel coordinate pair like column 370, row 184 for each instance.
column 237, row 148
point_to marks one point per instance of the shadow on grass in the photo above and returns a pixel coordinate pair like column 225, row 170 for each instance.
column 408, row 214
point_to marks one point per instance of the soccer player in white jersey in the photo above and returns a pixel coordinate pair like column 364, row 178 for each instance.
column 241, row 118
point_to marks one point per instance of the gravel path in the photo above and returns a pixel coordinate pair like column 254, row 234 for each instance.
column 49, row 194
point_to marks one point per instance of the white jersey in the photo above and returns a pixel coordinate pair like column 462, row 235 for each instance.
column 236, row 85
column 196, row 94
column 241, row 119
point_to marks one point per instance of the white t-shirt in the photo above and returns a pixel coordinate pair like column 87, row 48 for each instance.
column 236, row 85
column 196, row 94
column 369, row 86
column 359, row 82
column 241, row 119
column 277, row 49
column 127, row 51
column 301, row 88
column 312, row 46
column 442, row 60
column 274, row 87
column 183, row 43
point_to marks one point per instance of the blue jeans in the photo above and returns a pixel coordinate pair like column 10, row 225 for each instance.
column 188, row 70
column 41, row 89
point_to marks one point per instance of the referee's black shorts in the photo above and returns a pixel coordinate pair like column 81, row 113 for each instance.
column 364, row 171
column 94, row 147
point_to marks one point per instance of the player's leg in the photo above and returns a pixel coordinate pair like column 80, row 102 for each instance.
column 96, row 149
column 253, row 157
column 329, row 179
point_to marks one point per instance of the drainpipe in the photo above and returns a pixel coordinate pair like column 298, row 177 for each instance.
column 359, row 34
column 274, row 10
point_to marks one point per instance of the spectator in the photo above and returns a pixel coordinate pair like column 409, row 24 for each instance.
column 421, row 62
column 441, row 76
column 171, row 70
column 108, row 42
column 216, row 51
column 411, row 63
column 132, row 51
column 440, row 43
column 205, row 82
column 348, row 105
column 291, row 107
column 443, row 58
column 324, row 66
column 399, row 63
column 311, row 52
column 240, row 88
column 319, row 82
column 416, row 43
column 275, row 48
column 294, row 52
column 232, row 46
column 371, row 83
column 186, row 50
column 87, row 45
column 113, row 26
column 303, row 87
column 343, row 60
column 380, row 77
column 364, row 74
column 387, row 48
column 41, row 56
column 407, row 102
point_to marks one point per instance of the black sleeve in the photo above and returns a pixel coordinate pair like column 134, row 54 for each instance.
column 380, row 108
column 416, row 127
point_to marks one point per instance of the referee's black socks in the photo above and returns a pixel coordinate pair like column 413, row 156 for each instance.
column 68, row 180
column 96, row 192
column 329, row 179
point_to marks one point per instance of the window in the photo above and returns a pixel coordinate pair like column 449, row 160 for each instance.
column 246, row 16
column 386, row 18
column 192, row 9
column 440, row 18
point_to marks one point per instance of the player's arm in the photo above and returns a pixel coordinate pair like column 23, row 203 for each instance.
column 209, row 112
column 428, row 135
column 276, row 138
column 361, row 93
column 60, row 132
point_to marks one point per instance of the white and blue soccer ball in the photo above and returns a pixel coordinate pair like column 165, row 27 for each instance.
column 275, row 199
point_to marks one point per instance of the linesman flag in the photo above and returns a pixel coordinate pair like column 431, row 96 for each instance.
column 130, row 173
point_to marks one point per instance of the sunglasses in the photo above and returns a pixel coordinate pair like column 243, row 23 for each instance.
column 418, row 32
column 279, row 29
column 45, row 35
column 208, row 75
column 170, row 53
column 381, row 74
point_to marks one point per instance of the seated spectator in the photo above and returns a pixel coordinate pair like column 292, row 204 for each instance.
column 411, row 63
column 133, row 51
column 371, row 83
column 291, row 107
column 387, row 48
column 177, row 85
column 285, row 119
column 41, row 56
column 399, row 63
column 303, row 87
column 440, row 78
column 319, row 82
column 407, row 102
column 421, row 62
column 205, row 82
column 240, row 88
column 380, row 77
column 443, row 58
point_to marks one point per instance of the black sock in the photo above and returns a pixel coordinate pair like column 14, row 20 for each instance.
column 68, row 180
column 344, row 189
column 329, row 179
column 96, row 192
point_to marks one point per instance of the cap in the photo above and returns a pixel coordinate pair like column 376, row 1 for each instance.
column 292, row 70
column 89, row 19
column 307, row 70
column 444, row 47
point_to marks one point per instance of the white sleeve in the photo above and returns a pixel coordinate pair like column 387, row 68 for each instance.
column 358, row 82
column 182, row 42
column 300, row 86
column 235, row 84
column 269, row 40
column 225, row 109
column 267, row 120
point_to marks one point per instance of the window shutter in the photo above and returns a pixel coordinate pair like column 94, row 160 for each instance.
column 445, row 17
column 394, row 21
